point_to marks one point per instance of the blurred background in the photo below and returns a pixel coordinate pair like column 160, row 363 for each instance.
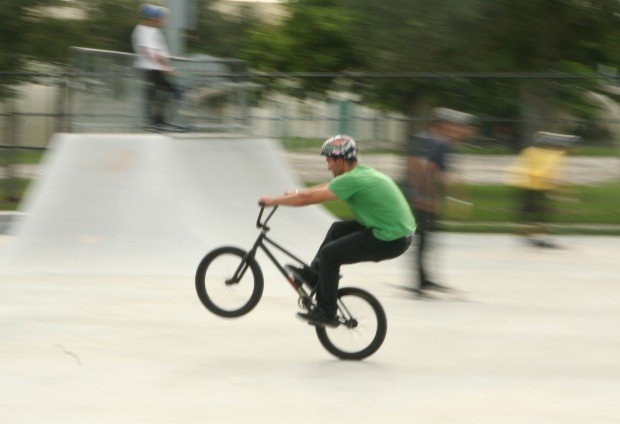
column 300, row 71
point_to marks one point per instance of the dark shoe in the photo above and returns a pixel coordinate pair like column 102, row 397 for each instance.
column 319, row 318
column 430, row 286
column 151, row 128
column 175, row 127
column 544, row 244
column 421, row 294
column 159, row 128
column 303, row 275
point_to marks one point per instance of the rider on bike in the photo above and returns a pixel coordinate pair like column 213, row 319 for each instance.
column 382, row 230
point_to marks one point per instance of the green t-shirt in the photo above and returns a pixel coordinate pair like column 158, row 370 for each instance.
column 376, row 202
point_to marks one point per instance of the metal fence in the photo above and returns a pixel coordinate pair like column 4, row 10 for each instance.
column 108, row 94
column 102, row 92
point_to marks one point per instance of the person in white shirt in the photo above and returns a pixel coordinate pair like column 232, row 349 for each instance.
column 153, row 58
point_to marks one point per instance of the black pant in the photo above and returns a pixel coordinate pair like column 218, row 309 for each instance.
column 426, row 223
column 535, row 207
column 349, row 242
column 158, row 93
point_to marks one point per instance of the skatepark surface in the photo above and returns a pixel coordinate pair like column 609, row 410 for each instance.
column 100, row 321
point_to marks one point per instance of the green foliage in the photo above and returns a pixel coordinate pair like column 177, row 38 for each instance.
column 41, row 47
column 448, row 36
column 220, row 34
column 314, row 38
column 30, row 33
column 18, row 19
column 108, row 24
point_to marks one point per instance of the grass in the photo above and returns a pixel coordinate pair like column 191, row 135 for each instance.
column 579, row 204
column 596, row 151
column 11, row 192
column 581, row 150
column 301, row 145
column 20, row 156
column 476, row 149
column 494, row 208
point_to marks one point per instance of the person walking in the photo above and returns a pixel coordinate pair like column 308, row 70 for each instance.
column 153, row 60
column 536, row 175
column 427, row 178
column 382, row 229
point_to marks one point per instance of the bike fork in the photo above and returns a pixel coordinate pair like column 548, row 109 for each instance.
column 245, row 263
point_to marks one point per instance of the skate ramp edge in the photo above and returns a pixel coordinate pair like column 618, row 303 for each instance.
column 152, row 204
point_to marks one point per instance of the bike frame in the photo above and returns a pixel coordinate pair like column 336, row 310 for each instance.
column 261, row 242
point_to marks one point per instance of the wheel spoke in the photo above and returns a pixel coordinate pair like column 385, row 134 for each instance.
column 364, row 326
column 220, row 291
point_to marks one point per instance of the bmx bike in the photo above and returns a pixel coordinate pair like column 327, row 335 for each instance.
column 229, row 283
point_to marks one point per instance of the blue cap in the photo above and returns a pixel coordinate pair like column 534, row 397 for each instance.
column 149, row 11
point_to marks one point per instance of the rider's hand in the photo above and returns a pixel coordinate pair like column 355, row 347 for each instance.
column 265, row 201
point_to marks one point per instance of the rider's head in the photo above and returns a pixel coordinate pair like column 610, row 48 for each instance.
column 452, row 124
column 152, row 13
column 340, row 146
column 341, row 153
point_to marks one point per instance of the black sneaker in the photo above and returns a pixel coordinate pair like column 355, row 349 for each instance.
column 303, row 275
column 434, row 287
column 159, row 128
column 413, row 290
column 544, row 243
column 176, row 127
column 319, row 318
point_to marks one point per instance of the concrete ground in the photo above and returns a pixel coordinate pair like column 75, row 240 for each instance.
column 114, row 332
column 532, row 338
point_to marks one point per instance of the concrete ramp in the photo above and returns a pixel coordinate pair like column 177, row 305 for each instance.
column 152, row 204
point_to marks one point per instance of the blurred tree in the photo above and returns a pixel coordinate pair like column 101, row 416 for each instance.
column 108, row 24
column 18, row 20
column 446, row 36
column 315, row 37
column 551, row 36
column 221, row 34
column 32, row 34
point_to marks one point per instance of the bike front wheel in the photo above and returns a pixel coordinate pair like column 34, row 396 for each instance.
column 362, row 329
column 228, row 283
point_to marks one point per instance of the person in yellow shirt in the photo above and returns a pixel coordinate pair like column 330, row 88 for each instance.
column 536, row 173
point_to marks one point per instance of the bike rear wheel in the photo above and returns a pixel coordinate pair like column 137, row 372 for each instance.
column 362, row 329
column 222, row 294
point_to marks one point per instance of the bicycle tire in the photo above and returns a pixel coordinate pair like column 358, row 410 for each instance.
column 208, row 282
column 351, row 323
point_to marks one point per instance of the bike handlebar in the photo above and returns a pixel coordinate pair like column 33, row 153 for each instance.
column 260, row 215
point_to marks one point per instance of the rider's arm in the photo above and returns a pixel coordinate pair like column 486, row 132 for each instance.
column 303, row 197
column 325, row 184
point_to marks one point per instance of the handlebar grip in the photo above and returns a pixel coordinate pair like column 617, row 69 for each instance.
column 260, row 214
